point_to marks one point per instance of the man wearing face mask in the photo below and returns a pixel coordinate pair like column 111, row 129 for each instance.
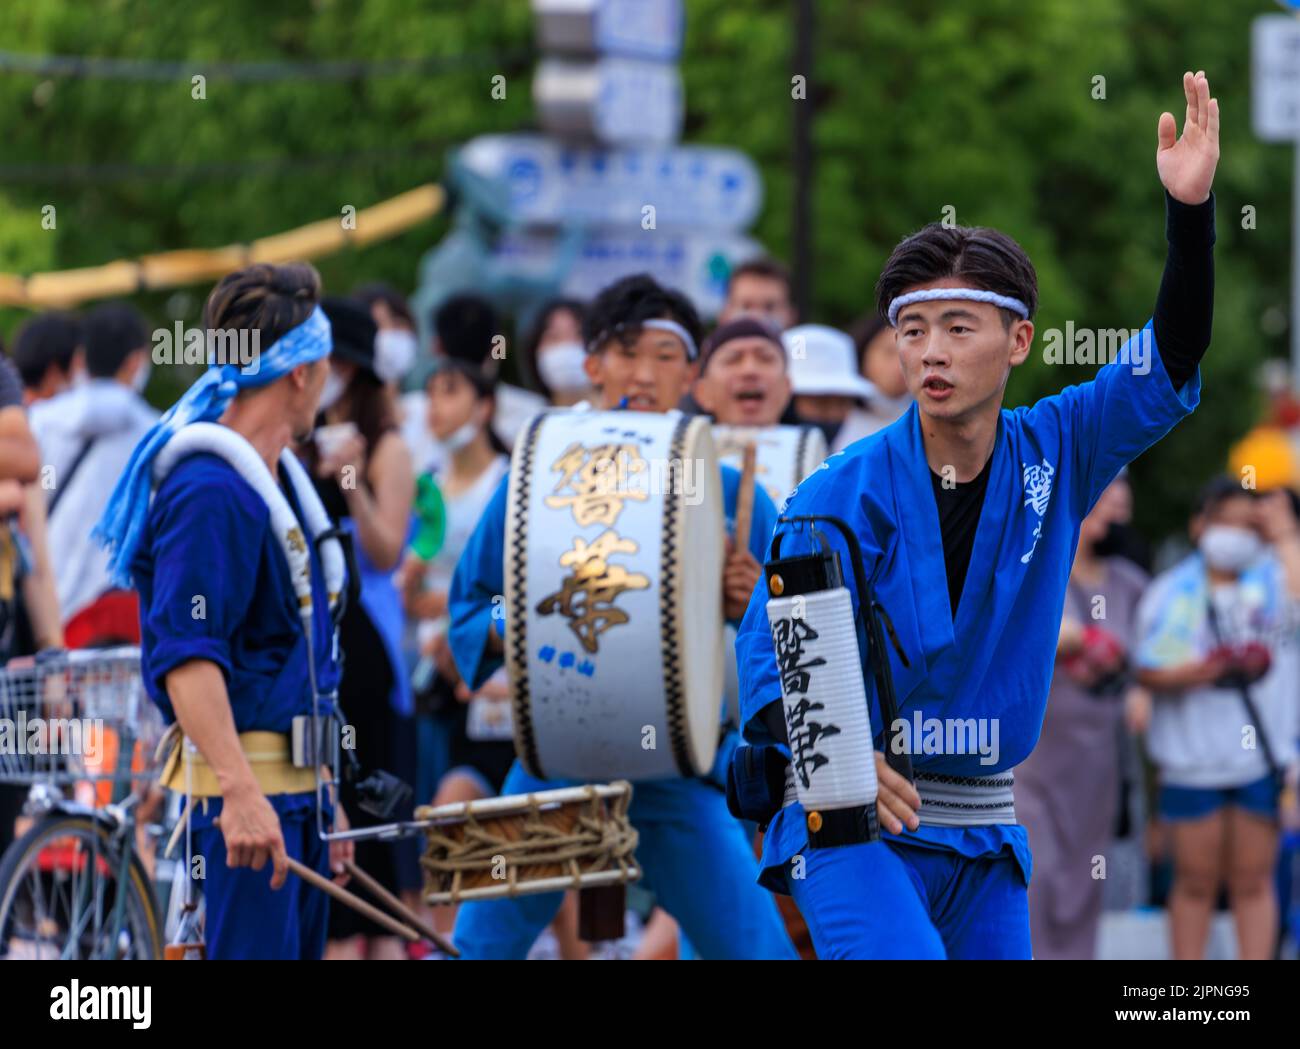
column 1217, row 644
column 87, row 434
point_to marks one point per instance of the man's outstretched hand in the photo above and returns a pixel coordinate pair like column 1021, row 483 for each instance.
column 1186, row 165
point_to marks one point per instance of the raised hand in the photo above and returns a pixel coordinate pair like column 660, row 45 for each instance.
column 1186, row 165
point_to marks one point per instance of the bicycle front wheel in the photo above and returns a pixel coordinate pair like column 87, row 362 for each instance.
column 67, row 891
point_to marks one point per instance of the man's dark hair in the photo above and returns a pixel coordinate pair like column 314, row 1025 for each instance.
column 48, row 340
column 768, row 268
column 113, row 331
column 271, row 300
column 981, row 256
column 621, row 308
column 465, row 326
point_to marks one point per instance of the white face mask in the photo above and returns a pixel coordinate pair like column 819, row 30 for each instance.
column 1227, row 548
column 560, row 367
column 459, row 438
column 394, row 353
column 332, row 390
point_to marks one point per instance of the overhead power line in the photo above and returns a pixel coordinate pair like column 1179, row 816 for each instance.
column 94, row 67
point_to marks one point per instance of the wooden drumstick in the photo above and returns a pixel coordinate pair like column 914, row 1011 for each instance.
column 180, row 826
column 745, row 497
column 355, row 902
column 403, row 911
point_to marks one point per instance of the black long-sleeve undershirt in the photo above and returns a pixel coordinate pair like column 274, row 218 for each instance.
column 1184, row 313
column 1183, row 321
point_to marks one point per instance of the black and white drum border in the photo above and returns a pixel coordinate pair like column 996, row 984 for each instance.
column 801, row 451
column 670, row 620
column 516, row 596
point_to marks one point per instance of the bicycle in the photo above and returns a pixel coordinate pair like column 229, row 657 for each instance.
column 78, row 728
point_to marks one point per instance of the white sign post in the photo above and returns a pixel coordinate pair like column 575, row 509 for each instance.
column 1275, row 114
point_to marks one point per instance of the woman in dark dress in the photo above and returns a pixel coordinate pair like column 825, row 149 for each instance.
column 363, row 472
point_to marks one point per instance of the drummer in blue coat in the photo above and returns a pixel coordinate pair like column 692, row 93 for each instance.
column 641, row 342
column 967, row 516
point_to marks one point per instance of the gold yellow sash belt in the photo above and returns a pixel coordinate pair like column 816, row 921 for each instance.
column 268, row 755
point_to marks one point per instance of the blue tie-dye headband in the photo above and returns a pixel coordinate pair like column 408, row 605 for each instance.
column 123, row 521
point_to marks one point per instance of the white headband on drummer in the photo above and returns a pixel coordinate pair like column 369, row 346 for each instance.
column 658, row 324
column 1005, row 302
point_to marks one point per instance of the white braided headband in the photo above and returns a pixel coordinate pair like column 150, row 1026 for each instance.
column 673, row 328
column 657, row 323
column 1005, row 302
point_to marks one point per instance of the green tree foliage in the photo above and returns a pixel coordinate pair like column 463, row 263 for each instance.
column 988, row 108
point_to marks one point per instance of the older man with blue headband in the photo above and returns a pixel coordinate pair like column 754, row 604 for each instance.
column 212, row 522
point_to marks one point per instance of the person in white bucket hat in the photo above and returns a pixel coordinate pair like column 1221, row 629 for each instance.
column 825, row 378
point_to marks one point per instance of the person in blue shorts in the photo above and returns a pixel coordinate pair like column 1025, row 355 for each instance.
column 967, row 516
column 1219, row 647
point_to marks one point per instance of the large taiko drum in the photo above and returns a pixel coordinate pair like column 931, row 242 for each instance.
column 783, row 455
column 613, row 571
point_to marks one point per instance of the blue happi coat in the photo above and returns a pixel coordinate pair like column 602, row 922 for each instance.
column 1050, row 463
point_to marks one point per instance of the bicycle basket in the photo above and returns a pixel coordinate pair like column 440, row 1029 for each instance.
column 77, row 716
